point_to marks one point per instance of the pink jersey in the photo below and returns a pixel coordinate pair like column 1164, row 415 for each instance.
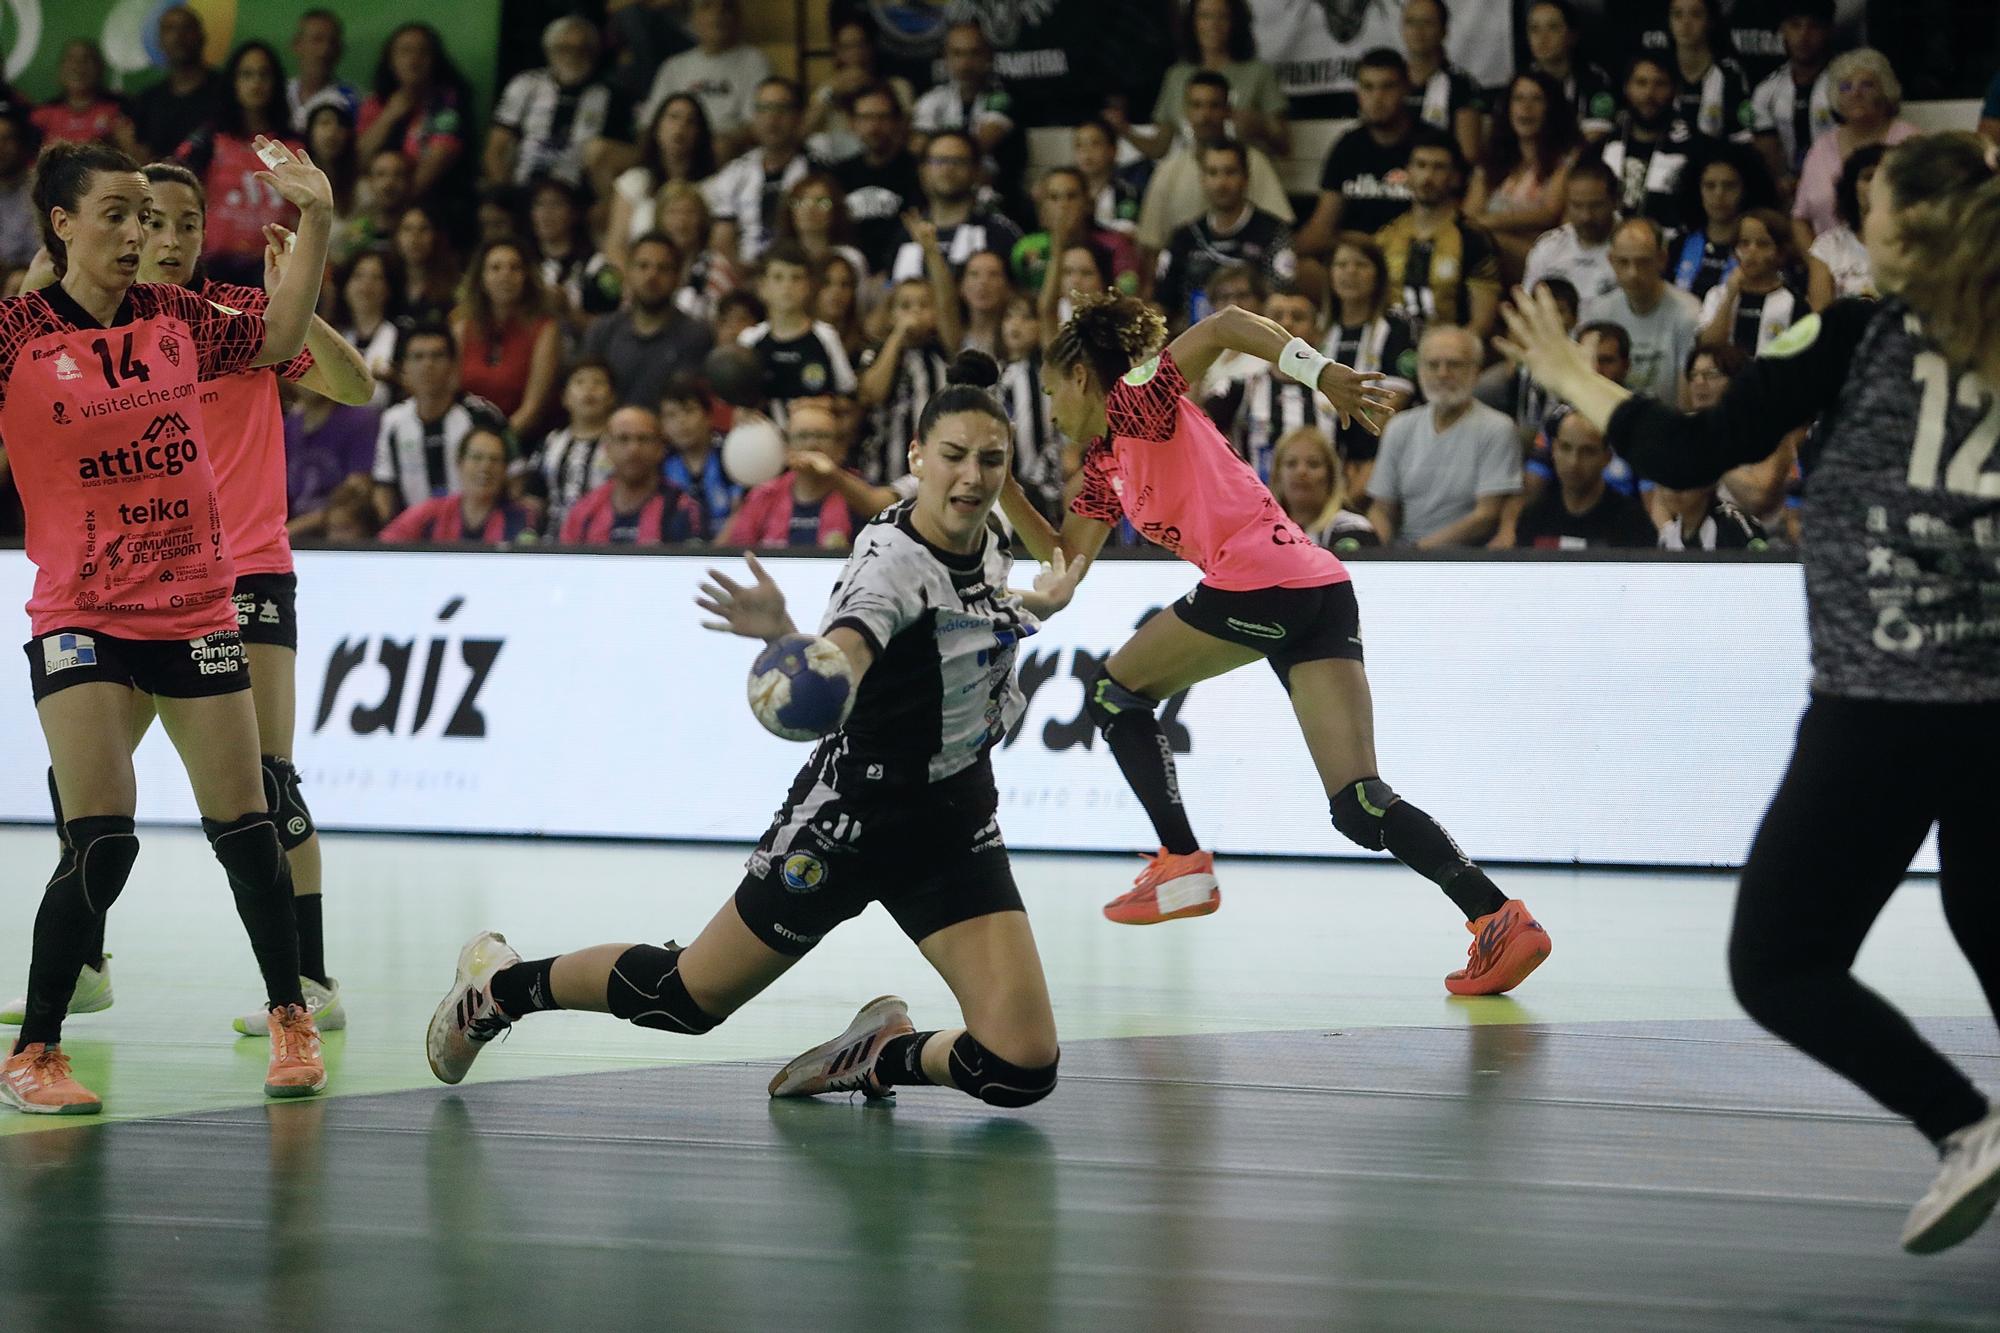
column 246, row 430
column 1163, row 465
column 108, row 445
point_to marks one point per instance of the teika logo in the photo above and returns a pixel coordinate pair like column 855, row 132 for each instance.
column 154, row 510
column 476, row 656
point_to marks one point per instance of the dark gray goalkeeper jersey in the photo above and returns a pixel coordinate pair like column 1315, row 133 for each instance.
column 1902, row 512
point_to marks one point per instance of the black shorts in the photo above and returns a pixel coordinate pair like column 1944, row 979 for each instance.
column 267, row 609
column 175, row 668
column 929, row 852
column 1287, row 625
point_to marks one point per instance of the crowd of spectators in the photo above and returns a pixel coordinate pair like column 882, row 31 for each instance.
column 568, row 298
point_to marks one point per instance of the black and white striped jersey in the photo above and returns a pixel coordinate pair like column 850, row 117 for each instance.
column 1038, row 444
column 892, row 423
column 944, row 628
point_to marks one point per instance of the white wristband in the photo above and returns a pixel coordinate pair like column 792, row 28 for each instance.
column 1303, row 362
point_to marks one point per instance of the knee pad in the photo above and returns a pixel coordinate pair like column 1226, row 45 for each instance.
column 1105, row 701
column 994, row 1081
column 646, row 989
column 98, row 852
column 248, row 849
column 1358, row 810
column 287, row 806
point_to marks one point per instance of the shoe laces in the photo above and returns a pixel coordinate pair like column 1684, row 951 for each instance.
column 484, row 1027
column 295, row 1032
column 50, row 1065
column 1156, row 871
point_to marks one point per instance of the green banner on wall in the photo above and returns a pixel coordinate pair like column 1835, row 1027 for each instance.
column 33, row 32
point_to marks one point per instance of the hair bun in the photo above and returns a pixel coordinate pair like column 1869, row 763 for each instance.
column 975, row 368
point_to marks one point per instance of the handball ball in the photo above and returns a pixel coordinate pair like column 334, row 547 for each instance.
column 753, row 452
column 801, row 687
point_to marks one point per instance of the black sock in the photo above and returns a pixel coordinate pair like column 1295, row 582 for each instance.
column 525, row 988
column 312, row 936
column 261, row 881
column 1146, row 758
column 1420, row 843
column 901, row 1060
column 62, row 923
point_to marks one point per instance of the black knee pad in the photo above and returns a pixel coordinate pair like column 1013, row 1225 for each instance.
column 993, row 1080
column 248, row 849
column 1105, row 701
column 1358, row 809
column 98, row 852
column 646, row 989
column 287, row 806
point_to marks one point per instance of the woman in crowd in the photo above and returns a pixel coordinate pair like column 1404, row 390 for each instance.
column 86, row 111
column 1311, row 484
column 1868, row 97
column 509, row 345
column 1367, row 334
column 479, row 513
column 1847, row 270
column 367, row 299
column 1714, row 92
column 856, row 65
column 220, row 155
column 676, row 147
column 1765, row 293
column 1216, row 35
column 421, row 105
column 430, row 264
column 815, row 216
column 1517, row 190
column 1718, row 191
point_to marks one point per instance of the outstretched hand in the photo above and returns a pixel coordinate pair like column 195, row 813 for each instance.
column 755, row 612
column 293, row 175
column 1539, row 341
column 1056, row 583
column 1357, row 394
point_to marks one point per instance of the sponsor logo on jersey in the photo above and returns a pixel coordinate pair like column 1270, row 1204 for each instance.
column 215, row 654
column 154, row 510
column 60, row 413
column 813, row 376
column 105, row 405
column 137, row 460
column 803, row 872
column 197, row 598
column 170, row 348
column 66, row 368
column 60, row 652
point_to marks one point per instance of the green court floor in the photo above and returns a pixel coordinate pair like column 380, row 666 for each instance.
column 1269, row 1118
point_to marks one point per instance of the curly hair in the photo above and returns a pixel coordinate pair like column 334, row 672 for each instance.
column 1111, row 333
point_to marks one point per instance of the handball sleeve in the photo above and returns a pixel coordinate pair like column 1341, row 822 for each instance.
column 1800, row 376
column 873, row 598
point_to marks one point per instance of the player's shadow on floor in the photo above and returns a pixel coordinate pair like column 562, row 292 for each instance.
column 970, row 1204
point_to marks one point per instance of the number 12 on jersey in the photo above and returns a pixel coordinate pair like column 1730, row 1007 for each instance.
column 127, row 368
column 1966, row 474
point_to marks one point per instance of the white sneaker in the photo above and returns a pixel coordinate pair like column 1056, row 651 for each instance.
column 467, row 1018
column 91, row 996
column 847, row 1063
column 1966, row 1188
column 322, row 1002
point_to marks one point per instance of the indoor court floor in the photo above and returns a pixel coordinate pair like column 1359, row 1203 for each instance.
column 1270, row 1118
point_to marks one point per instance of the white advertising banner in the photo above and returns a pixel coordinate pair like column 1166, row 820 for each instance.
column 1314, row 44
column 1545, row 712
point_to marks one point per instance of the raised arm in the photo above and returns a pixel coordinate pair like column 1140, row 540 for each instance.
column 1353, row 393
column 338, row 371
column 290, row 311
column 1796, row 379
column 757, row 611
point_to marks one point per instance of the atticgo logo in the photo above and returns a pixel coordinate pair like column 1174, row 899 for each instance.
column 137, row 460
column 172, row 421
column 393, row 656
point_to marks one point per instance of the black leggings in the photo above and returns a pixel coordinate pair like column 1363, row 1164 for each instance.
column 1866, row 783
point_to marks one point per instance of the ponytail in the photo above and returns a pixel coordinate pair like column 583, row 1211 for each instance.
column 1946, row 192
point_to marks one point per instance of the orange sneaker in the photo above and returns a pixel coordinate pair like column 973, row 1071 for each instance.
column 36, row 1080
column 1506, row 946
column 1172, row 885
column 296, row 1068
